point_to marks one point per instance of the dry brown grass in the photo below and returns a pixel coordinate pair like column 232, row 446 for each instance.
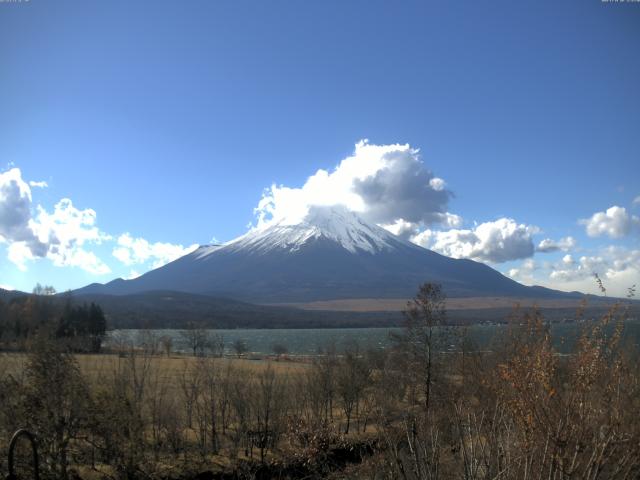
column 95, row 366
column 468, row 303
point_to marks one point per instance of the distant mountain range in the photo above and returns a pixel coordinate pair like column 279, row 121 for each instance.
column 331, row 254
column 166, row 309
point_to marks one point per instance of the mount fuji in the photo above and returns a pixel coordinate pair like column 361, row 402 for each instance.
column 331, row 254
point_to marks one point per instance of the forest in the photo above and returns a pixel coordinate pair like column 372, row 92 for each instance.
column 78, row 327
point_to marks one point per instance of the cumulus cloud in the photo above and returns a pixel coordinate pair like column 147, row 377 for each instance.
column 618, row 267
column 64, row 235
column 16, row 224
column 133, row 251
column 498, row 241
column 564, row 244
column 615, row 222
column 389, row 185
column 412, row 230
column 524, row 273
column 611, row 263
column 636, row 201
column 32, row 233
column 402, row 228
column 385, row 184
column 424, row 238
column 132, row 275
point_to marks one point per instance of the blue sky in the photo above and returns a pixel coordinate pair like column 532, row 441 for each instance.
column 165, row 121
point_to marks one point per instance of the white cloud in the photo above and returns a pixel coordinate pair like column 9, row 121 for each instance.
column 612, row 263
column 412, row 230
column 618, row 267
column 15, row 212
column 614, row 222
column 59, row 236
column 437, row 184
column 133, row 251
column 385, row 184
column 497, row 242
column 81, row 258
column 450, row 220
column 636, row 201
column 41, row 184
column 19, row 253
column 66, row 231
column 402, row 228
column 424, row 238
column 132, row 274
column 64, row 235
column 547, row 245
column 524, row 273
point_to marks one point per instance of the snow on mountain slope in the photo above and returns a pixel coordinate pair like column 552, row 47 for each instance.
column 330, row 254
column 336, row 224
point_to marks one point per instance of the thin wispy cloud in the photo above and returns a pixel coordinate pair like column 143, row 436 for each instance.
column 41, row 184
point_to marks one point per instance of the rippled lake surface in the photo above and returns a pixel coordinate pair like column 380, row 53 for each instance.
column 311, row 341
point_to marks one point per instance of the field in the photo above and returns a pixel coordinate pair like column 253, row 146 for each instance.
column 453, row 304
column 416, row 409
column 96, row 367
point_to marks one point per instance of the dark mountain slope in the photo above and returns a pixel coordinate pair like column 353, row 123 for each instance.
column 332, row 254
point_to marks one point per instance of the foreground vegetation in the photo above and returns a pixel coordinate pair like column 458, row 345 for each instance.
column 420, row 410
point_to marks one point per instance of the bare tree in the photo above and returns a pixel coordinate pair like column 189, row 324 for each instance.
column 352, row 377
column 189, row 383
column 148, row 340
column 269, row 408
column 279, row 349
column 166, row 342
column 240, row 347
column 196, row 338
column 56, row 403
column 424, row 315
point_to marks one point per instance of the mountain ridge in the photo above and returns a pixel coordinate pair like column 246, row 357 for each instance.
column 329, row 254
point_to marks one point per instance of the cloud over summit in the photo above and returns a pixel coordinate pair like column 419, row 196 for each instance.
column 391, row 186
column 385, row 184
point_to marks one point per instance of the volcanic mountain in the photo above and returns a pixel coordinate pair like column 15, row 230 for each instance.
column 331, row 254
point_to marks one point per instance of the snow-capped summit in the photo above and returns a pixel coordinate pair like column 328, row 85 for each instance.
column 334, row 223
column 330, row 253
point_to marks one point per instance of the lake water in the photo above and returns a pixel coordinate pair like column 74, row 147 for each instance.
column 310, row 341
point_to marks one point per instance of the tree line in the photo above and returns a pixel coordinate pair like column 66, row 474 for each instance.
column 81, row 327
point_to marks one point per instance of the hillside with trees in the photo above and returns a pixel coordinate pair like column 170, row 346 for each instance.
column 80, row 326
